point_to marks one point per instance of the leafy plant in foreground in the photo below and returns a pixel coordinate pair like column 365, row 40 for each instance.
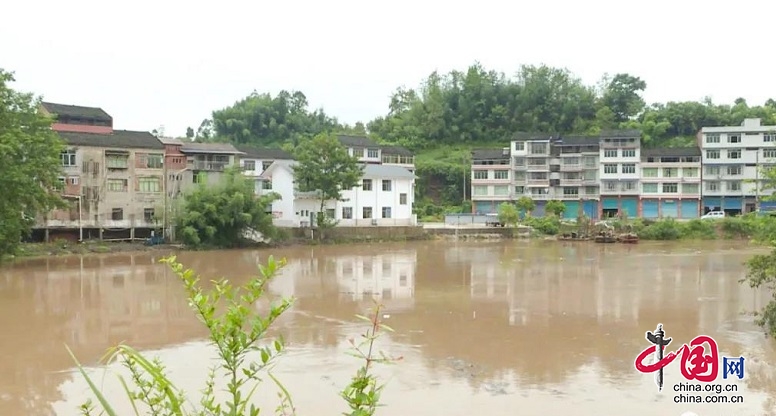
column 238, row 333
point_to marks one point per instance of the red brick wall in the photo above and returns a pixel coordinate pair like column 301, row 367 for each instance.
column 78, row 128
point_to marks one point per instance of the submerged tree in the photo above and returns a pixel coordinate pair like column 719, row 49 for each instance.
column 225, row 214
column 30, row 164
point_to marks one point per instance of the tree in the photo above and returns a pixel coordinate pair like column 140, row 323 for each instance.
column 507, row 214
column 189, row 133
column 30, row 164
column 223, row 215
column 762, row 273
column 622, row 95
column 324, row 166
column 557, row 208
column 526, row 205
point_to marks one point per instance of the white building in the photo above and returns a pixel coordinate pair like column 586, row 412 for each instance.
column 384, row 198
column 670, row 182
column 254, row 161
column 732, row 157
column 619, row 172
column 491, row 180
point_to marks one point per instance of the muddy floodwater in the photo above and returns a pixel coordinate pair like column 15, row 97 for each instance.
column 484, row 328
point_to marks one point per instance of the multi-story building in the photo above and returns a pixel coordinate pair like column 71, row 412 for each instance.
column 732, row 157
column 577, row 183
column 398, row 156
column 531, row 164
column 619, row 154
column 114, row 177
column 364, row 148
column 491, row 181
column 254, row 161
column 670, row 182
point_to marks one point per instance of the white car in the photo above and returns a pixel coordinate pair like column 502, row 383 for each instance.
column 714, row 215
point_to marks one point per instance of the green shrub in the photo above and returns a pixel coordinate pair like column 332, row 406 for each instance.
column 544, row 225
column 667, row 229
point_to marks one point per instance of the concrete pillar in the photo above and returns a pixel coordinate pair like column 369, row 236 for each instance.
column 46, row 235
column 101, row 231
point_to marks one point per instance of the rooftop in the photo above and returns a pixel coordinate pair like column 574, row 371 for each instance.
column 395, row 150
column 217, row 148
column 671, row 152
column 489, row 154
column 77, row 111
column 578, row 141
column 749, row 125
column 388, row 171
column 356, row 141
column 124, row 139
column 620, row 134
column 263, row 153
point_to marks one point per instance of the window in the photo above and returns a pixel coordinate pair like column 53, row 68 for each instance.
column 116, row 161
column 649, row 172
column 539, row 148
column 610, row 185
column 72, row 180
column 149, row 185
column 518, row 176
column 670, row 172
column 712, row 170
column 519, row 190
column 116, row 185
column 690, row 172
column 480, row 190
column 519, row 146
column 610, row 153
column 734, row 138
column 712, row 154
column 734, row 154
column 610, row 168
column 501, row 174
column 266, row 185
column 628, row 168
column 670, row 188
column 570, row 191
column 712, row 138
column 148, row 214
column 366, row 212
column 712, row 186
column 199, row 177
column 769, row 137
column 480, row 174
column 68, row 158
column 734, row 170
column 628, row 153
column 537, row 176
column 154, row 161
column 347, row 213
column 372, row 153
column 769, row 153
column 386, row 212
column 570, row 161
column 330, row 212
column 590, row 162
column 61, row 181
column 386, row 185
column 628, row 186
column 501, row 190
column 734, row 186
column 249, row 165
column 402, row 199
column 590, row 175
column 649, row 188
column 519, row 161
column 266, row 165
column 591, row 190
column 117, row 214
column 690, row 188
column 366, row 185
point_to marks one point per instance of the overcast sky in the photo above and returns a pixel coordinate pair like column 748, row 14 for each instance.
column 172, row 63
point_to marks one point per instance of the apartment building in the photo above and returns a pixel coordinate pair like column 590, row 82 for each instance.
column 113, row 177
column 620, row 156
column 397, row 156
column 732, row 158
column 575, row 163
column 670, row 182
column 531, row 165
column 254, row 161
column 364, row 148
column 491, row 181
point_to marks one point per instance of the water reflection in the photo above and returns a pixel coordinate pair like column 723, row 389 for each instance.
column 494, row 317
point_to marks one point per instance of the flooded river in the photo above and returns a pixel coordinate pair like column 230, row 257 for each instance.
column 484, row 328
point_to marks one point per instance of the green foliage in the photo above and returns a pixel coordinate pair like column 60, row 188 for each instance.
column 544, row 225
column 761, row 274
column 30, row 164
column 508, row 214
column 221, row 215
column 238, row 334
column 525, row 205
column 556, row 208
column 750, row 226
column 325, row 167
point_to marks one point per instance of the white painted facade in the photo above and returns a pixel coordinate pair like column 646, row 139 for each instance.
column 732, row 157
column 619, row 170
column 668, row 176
column 492, row 177
column 531, row 162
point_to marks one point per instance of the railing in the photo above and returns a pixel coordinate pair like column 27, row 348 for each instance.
column 211, row 166
column 538, row 167
column 570, row 168
column 571, row 181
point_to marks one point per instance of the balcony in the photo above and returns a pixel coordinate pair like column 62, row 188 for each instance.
column 589, row 181
column 538, row 168
column 570, row 181
column 210, row 166
column 570, row 168
column 537, row 197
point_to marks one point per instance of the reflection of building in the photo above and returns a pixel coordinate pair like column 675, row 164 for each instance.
column 389, row 278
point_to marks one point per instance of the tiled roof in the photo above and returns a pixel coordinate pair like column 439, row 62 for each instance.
column 263, row 153
column 171, row 140
column 526, row 137
column 356, row 141
column 578, row 140
column 77, row 111
column 607, row 134
column 387, row 171
column 123, row 139
column 489, row 154
column 220, row 148
column 395, row 150
column 671, row 152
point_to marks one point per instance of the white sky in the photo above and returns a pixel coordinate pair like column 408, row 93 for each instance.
column 172, row 62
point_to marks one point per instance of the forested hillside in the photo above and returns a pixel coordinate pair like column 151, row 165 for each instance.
column 449, row 114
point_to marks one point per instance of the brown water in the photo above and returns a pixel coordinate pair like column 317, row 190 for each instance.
column 529, row 328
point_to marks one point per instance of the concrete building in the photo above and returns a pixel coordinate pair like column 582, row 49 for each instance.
column 732, row 157
column 364, row 148
column 670, row 182
column 491, row 180
column 115, row 178
column 577, row 175
column 397, row 156
column 254, row 161
column 531, row 164
column 619, row 173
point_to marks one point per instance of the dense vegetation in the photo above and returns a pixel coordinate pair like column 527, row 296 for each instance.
column 30, row 164
column 449, row 114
